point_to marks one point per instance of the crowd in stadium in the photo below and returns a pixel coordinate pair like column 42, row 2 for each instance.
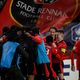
column 25, row 54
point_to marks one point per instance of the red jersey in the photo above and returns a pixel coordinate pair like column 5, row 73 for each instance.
column 37, row 38
column 76, row 50
column 62, row 49
column 49, row 53
column 53, row 54
column 56, row 58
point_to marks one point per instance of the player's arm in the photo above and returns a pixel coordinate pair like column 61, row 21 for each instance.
column 73, row 52
column 63, row 48
column 56, row 53
column 72, row 61
column 36, row 38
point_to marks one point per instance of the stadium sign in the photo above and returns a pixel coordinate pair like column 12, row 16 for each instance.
column 38, row 12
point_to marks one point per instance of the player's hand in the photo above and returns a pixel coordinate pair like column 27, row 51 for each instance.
column 73, row 68
column 54, row 45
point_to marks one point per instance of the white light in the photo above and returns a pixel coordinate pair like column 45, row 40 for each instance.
column 78, row 32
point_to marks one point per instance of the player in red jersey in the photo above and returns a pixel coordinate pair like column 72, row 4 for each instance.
column 61, row 44
column 76, row 50
column 42, row 58
column 62, row 50
column 52, row 32
column 50, row 46
column 54, row 56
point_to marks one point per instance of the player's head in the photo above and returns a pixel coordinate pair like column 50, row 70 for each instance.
column 52, row 31
column 49, row 39
column 12, row 35
column 5, row 30
column 35, row 30
column 60, row 34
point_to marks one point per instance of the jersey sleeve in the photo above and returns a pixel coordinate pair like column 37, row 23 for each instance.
column 63, row 47
column 56, row 53
column 38, row 39
column 72, row 58
column 75, row 50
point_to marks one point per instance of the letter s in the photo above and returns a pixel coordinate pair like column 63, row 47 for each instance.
column 18, row 3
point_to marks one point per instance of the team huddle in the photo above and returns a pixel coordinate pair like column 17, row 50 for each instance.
column 25, row 54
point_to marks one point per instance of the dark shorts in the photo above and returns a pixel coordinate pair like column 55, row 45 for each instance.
column 40, row 72
column 30, row 68
column 11, row 74
column 40, row 69
column 56, row 67
column 27, row 68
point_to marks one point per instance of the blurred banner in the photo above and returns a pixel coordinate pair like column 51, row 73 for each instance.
column 72, row 33
column 40, row 13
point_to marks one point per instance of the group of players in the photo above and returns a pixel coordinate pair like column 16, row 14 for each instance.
column 41, row 57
